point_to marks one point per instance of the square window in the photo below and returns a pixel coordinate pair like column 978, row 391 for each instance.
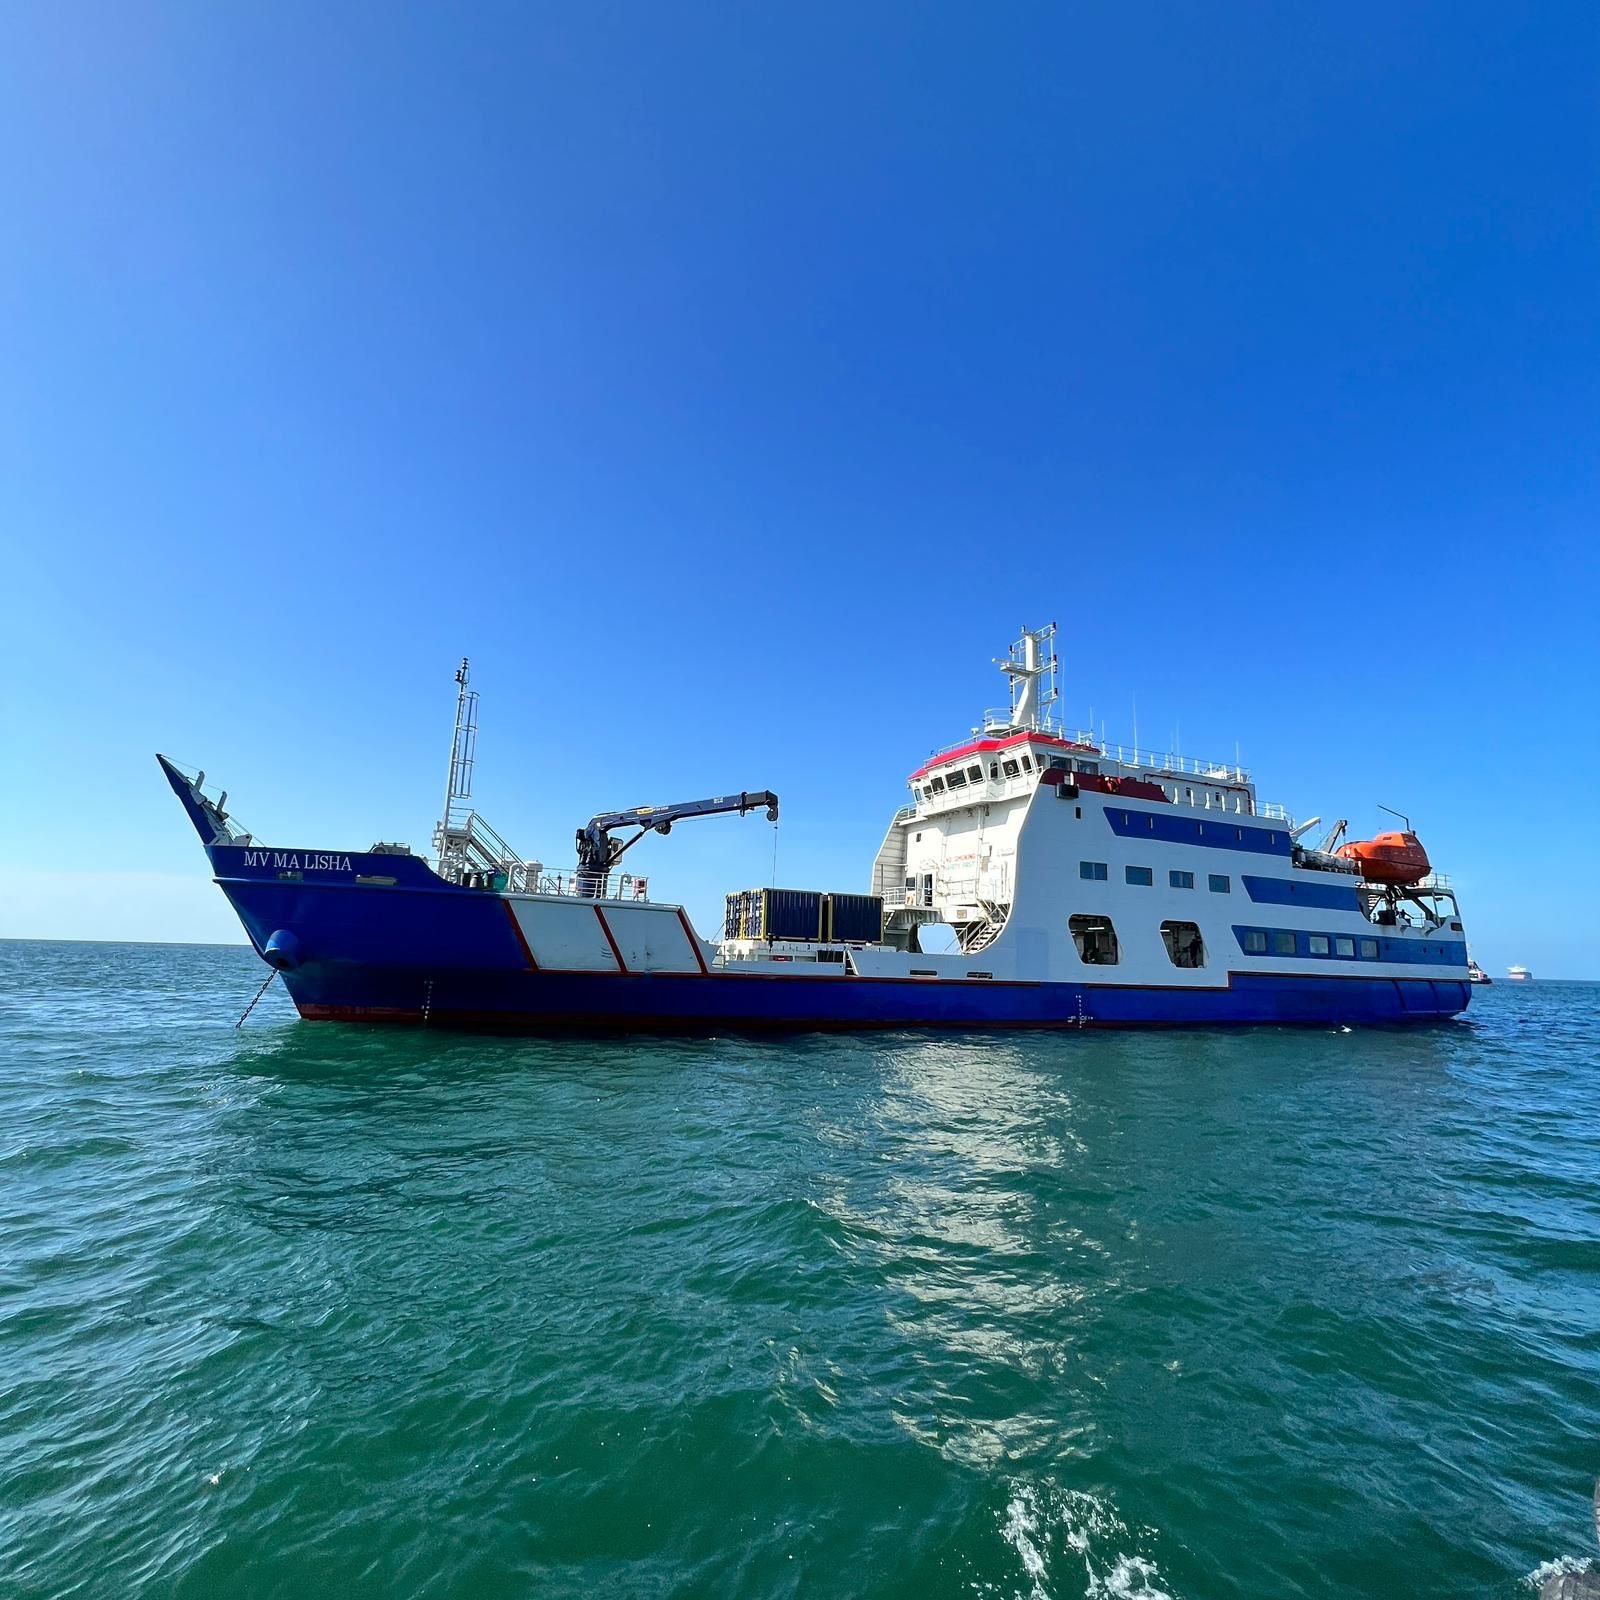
column 1344, row 947
column 1283, row 944
column 1317, row 943
column 1140, row 875
column 975, row 773
column 1181, row 880
column 1092, row 869
column 1369, row 949
column 1221, row 883
column 1255, row 942
column 1010, row 769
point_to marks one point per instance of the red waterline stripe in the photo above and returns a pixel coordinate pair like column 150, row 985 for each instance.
column 605, row 928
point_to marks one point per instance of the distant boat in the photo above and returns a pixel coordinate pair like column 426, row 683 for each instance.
column 1520, row 975
column 1476, row 974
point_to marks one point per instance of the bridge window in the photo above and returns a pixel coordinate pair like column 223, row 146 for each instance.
column 956, row 778
column 1220, row 883
column 1140, row 875
column 1283, row 944
column 918, row 794
column 1255, row 942
column 1317, row 943
column 1181, row 880
column 1092, row 869
column 936, row 786
column 1009, row 768
column 1096, row 940
column 975, row 773
column 1185, row 947
column 1027, row 765
column 994, row 771
column 1369, row 949
column 1344, row 947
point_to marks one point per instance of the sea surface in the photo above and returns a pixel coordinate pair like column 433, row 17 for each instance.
column 313, row 1310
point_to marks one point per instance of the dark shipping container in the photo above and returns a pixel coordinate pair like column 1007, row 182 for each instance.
column 855, row 918
column 791, row 914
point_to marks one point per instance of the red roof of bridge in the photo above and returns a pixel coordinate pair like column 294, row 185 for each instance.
column 983, row 746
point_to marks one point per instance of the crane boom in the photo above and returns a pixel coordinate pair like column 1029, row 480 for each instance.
column 598, row 852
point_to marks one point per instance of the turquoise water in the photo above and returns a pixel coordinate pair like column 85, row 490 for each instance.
column 306, row 1310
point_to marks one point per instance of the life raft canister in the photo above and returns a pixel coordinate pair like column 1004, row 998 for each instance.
column 1389, row 858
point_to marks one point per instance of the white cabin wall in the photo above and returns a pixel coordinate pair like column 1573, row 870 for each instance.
column 1054, row 839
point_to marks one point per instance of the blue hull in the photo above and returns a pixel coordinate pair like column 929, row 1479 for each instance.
column 585, row 1002
column 426, row 952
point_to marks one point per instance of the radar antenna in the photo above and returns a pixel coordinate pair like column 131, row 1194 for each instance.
column 1035, row 692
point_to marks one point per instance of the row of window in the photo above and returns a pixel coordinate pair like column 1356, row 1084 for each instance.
column 1007, row 767
column 1344, row 947
column 1096, row 872
column 1281, row 942
column 1095, row 938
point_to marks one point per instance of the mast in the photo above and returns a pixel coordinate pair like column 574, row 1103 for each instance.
column 1031, row 667
column 463, row 750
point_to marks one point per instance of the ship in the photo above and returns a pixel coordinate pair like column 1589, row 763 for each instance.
column 1475, row 973
column 1033, row 878
column 1519, row 975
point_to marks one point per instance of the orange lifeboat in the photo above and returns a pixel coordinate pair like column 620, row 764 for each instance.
column 1389, row 858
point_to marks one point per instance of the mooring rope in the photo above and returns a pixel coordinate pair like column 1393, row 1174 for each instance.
column 259, row 992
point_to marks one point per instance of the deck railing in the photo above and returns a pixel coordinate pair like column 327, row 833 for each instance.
column 583, row 885
column 996, row 724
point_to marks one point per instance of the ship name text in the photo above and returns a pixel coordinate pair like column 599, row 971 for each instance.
column 297, row 860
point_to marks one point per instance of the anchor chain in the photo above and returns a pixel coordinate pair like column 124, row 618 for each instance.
column 259, row 992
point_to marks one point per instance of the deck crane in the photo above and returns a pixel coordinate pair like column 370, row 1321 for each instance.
column 598, row 852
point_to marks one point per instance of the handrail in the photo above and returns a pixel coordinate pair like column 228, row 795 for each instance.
column 573, row 882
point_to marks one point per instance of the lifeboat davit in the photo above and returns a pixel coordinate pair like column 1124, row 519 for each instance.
column 1389, row 858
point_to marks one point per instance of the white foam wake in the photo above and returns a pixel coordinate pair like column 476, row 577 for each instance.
column 1067, row 1537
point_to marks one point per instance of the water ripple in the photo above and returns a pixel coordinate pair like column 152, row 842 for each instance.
column 305, row 1309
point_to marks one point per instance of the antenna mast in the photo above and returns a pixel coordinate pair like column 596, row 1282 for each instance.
column 463, row 751
column 1035, row 691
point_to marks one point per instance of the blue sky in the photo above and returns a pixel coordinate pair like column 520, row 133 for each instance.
column 731, row 382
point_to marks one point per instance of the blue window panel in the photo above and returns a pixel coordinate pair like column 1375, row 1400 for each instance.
column 1213, row 834
column 1092, row 869
column 1406, row 952
column 1180, row 880
column 1285, row 892
column 1220, row 884
column 1143, row 876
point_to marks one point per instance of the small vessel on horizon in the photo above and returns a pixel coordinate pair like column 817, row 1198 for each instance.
column 1037, row 879
column 1519, row 975
column 1475, row 973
